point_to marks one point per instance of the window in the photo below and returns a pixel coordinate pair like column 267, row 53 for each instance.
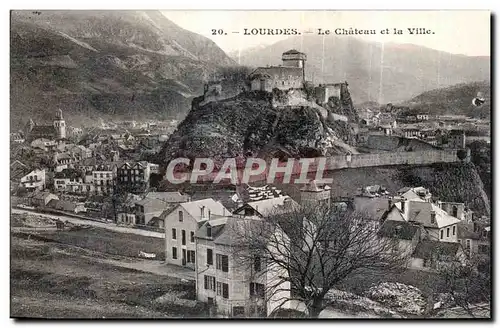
column 209, row 231
column 256, row 289
column 219, row 288
column 174, row 234
column 209, row 282
column 433, row 218
column 442, row 234
column 257, row 264
column 191, row 256
column 467, row 244
column 447, row 232
column 455, row 211
column 225, row 290
column 181, row 216
column 483, row 249
column 174, row 253
column 210, row 257
column 192, row 237
column 454, row 230
column 238, row 311
column 183, row 234
column 222, row 262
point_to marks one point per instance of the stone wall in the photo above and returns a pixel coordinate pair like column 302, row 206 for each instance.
column 338, row 162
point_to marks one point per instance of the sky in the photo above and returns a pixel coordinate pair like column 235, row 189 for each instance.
column 457, row 32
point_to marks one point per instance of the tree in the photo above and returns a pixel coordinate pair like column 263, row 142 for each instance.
column 308, row 250
column 468, row 283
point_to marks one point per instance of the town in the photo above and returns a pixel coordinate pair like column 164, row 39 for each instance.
column 107, row 176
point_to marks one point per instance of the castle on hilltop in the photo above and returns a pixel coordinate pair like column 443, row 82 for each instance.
column 289, row 76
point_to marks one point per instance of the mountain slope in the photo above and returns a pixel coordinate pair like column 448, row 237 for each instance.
column 384, row 73
column 128, row 64
column 456, row 99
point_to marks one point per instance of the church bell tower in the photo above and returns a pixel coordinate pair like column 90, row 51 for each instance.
column 60, row 125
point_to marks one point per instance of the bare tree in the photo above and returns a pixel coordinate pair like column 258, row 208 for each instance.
column 309, row 250
column 468, row 283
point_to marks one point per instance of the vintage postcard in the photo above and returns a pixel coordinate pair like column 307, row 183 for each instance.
column 250, row 164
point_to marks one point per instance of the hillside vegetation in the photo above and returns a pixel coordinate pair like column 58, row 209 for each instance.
column 456, row 99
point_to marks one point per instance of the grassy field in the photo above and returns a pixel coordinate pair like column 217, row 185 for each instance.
column 110, row 242
column 54, row 280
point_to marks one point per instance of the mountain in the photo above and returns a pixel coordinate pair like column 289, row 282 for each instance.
column 120, row 64
column 456, row 99
column 375, row 72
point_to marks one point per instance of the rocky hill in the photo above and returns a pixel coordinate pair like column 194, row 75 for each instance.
column 456, row 99
column 249, row 125
column 120, row 64
column 389, row 73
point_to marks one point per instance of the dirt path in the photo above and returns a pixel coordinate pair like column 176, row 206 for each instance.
column 109, row 226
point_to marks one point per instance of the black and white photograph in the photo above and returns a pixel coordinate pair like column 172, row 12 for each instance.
column 250, row 164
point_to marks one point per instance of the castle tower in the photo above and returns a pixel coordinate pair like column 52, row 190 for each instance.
column 313, row 195
column 294, row 58
column 60, row 125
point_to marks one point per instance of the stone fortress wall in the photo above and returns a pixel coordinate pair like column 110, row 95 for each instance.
column 338, row 162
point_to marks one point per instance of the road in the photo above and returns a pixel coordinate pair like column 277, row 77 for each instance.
column 109, row 226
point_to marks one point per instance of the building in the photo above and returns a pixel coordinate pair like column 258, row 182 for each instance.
column 69, row 180
column 55, row 131
column 66, row 206
column 103, row 179
column 17, row 137
column 312, row 194
column 43, row 144
column 422, row 117
column 456, row 210
column 181, row 223
column 233, row 282
column 405, row 233
column 35, row 180
column 373, row 208
column 324, row 92
column 266, row 207
column 474, row 238
column 415, row 193
column 134, row 177
column 80, row 152
column 155, row 203
column 291, row 75
column 42, row 198
column 440, row 226
column 456, row 139
column 430, row 255
column 411, row 132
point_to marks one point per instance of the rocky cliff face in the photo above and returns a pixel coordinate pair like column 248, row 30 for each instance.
column 248, row 125
column 119, row 64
